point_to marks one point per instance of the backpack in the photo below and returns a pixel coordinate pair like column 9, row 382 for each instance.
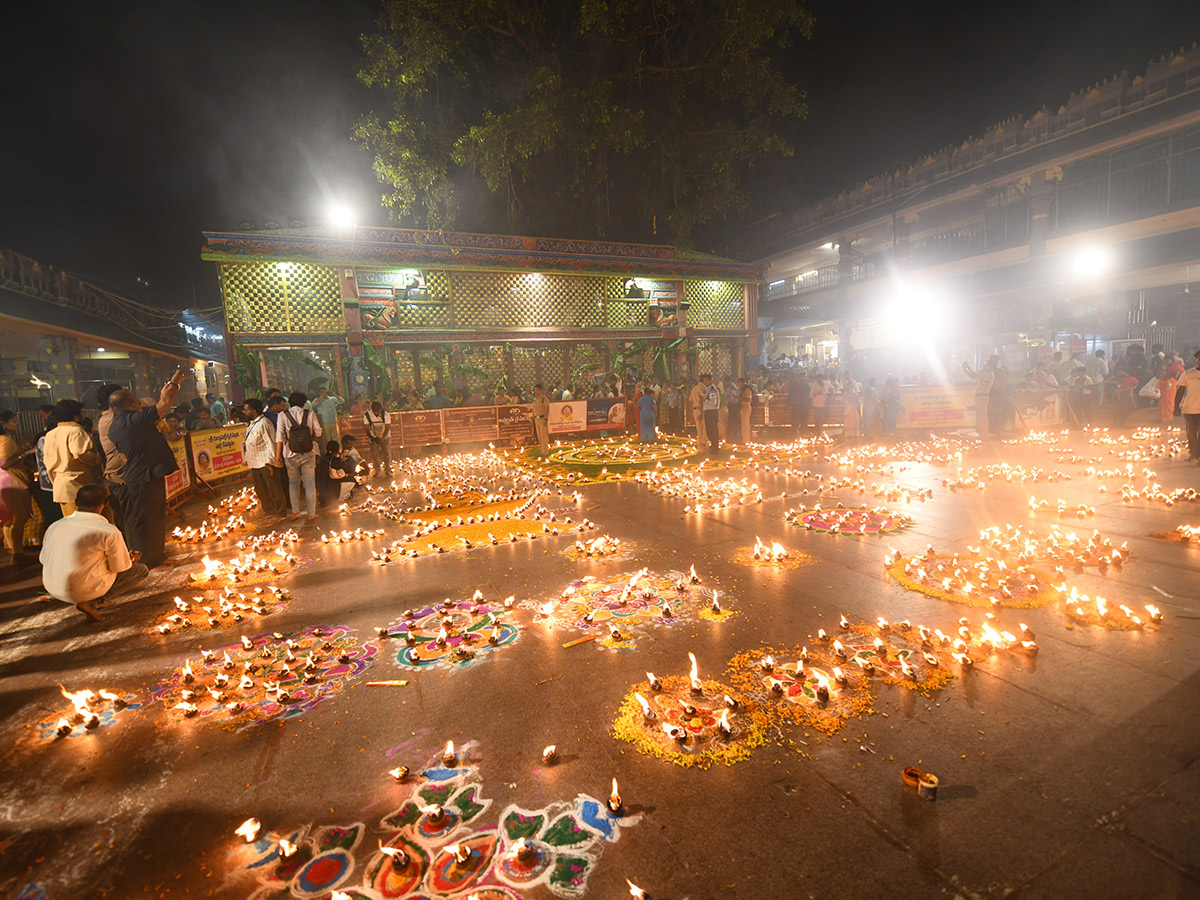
column 374, row 426
column 299, row 436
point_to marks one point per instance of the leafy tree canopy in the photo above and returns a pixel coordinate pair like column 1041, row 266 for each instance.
column 579, row 117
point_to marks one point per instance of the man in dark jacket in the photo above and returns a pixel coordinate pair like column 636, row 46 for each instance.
column 148, row 462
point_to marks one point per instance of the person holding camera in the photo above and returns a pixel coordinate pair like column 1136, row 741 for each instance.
column 148, row 461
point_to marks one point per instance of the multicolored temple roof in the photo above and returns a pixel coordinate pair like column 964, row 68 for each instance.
column 365, row 246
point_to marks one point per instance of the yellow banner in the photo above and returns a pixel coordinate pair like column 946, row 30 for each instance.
column 218, row 452
column 179, row 482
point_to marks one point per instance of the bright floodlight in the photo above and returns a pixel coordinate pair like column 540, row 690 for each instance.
column 1090, row 262
column 912, row 315
column 341, row 216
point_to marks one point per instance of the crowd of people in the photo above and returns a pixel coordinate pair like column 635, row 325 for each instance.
column 100, row 487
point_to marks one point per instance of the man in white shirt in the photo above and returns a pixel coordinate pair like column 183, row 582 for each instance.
column 298, row 451
column 260, row 460
column 985, row 380
column 710, row 407
column 1189, row 405
column 379, row 438
column 84, row 557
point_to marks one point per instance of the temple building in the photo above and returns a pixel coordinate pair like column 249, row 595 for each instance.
column 384, row 309
column 1073, row 229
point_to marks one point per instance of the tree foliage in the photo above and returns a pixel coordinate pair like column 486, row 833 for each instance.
column 581, row 117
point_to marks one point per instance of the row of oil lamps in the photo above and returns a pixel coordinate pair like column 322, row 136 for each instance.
column 227, row 608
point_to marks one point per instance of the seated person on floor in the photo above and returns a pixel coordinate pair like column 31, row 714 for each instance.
column 351, row 457
column 334, row 483
column 84, row 557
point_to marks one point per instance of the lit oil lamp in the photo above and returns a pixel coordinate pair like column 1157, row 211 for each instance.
column 64, row 728
column 647, row 713
column 449, row 756
column 460, row 852
column 433, row 813
column 550, row 754
column 675, row 732
column 398, row 858
column 767, row 663
column 117, row 701
column 249, row 830
column 723, row 725
column 287, row 849
column 839, row 677
column 822, row 690
column 636, row 892
column 615, row 807
column 696, row 686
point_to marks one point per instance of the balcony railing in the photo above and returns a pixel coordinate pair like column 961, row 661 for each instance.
column 817, row 280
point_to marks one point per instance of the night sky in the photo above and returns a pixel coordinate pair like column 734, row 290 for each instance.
column 128, row 130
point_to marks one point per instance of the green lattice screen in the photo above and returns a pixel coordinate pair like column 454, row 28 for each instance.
column 623, row 313
column 704, row 361
column 490, row 360
column 427, row 315
column 284, row 298
column 722, row 360
column 504, row 300
column 524, row 373
column 714, row 304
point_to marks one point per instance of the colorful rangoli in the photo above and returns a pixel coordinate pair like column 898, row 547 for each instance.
column 666, row 719
column 451, row 635
column 436, row 845
column 269, row 676
column 613, row 610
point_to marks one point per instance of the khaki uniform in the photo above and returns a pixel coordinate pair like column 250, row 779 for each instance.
column 696, row 403
column 541, row 424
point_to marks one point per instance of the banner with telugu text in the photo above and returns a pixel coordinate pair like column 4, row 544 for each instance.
column 218, row 452
column 178, row 482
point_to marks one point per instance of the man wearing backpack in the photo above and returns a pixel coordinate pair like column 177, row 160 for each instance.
column 379, row 438
column 296, row 446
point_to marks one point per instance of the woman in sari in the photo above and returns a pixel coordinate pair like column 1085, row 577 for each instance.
column 14, row 487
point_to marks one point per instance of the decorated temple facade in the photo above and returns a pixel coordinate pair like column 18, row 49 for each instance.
column 384, row 308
